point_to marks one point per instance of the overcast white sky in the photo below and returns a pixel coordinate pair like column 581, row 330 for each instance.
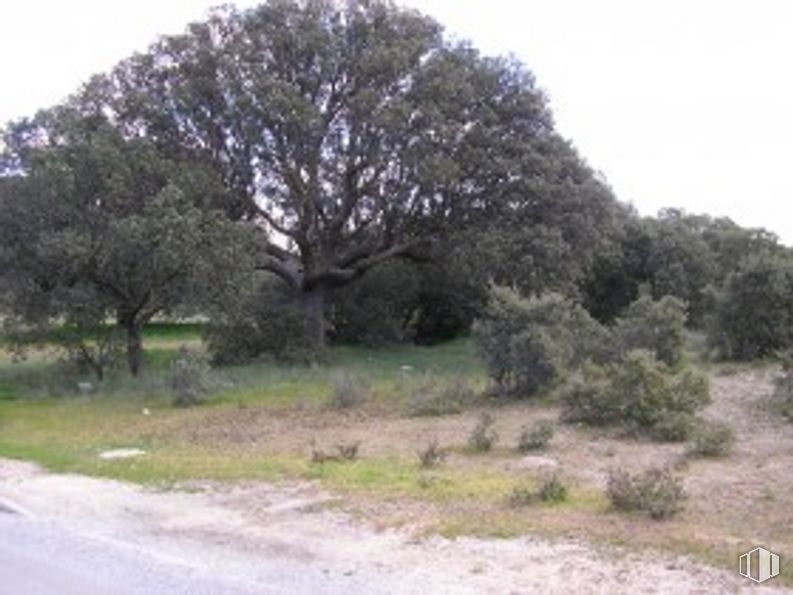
column 678, row 102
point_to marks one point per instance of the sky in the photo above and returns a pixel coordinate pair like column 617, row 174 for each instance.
column 677, row 103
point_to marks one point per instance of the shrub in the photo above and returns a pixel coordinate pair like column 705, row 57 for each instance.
column 267, row 321
column 638, row 392
column 655, row 491
column 188, row 378
column 431, row 455
column 526, row 343
column 375, row 311
column 483, row 436
column 348, row 391
column 84, row 347
column 348, row 451
column 536, row 436
column 656, row 326
column 783, row 389
column 427, row 398
column 753, row 313
column 712, row 439
column 552, row 490
column 522, row 496
column 588, row 398
column 674, row 426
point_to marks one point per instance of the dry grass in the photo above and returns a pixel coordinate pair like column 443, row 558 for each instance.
column 735, row 502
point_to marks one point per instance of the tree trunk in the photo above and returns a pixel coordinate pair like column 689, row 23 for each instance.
column 134, row 347
column 313, row 304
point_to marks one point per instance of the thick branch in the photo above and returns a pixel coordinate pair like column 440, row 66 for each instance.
column 288, row 271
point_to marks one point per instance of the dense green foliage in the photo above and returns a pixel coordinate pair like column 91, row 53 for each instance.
column 638, row 393
column 264, row 319
column 526, row 343
column 386, row 175
column 753, row 313
column 106, row 228
column 656, row 326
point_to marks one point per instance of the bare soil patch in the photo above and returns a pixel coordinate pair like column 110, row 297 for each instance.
column 229, row 530
column 736, row 503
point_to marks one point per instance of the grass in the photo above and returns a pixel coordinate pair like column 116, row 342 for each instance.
column 66, row 434
column 464, row 496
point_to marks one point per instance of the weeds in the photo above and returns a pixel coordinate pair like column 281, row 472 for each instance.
column 431, row 456
column 655, row 491
column 522, row 496
column 536, row 436
column 674, row 426
column 188, row 378
column 348, row 391
column 347, row 451
column 712, row 439
column 783, row 387
column 427, row 398
column 483, row 436
column 551, row 491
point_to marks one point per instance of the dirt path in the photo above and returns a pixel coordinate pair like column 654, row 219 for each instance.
column 235, row 531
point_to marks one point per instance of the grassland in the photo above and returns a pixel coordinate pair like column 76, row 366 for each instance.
column 261, row 422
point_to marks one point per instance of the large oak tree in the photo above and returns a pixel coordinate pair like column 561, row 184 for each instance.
column 351, row 134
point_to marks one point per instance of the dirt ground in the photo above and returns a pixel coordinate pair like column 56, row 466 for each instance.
column 736, row 502
column 229, row 528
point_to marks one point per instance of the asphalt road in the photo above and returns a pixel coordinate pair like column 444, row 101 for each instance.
column 38, row 558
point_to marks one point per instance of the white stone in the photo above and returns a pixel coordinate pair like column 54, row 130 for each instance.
column 122, row 453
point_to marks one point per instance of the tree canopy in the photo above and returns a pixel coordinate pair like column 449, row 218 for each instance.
column 351, row 133
column 103, row 227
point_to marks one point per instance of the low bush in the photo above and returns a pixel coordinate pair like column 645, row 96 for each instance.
column 522, row 496
column 526, row 343
column 655, row 491
column 431, row 455
column 783, row 387
column 429, row 398
column 348, row 451
column 639, row 393
column 536, row 436
column 347, row 391
column 345, row 451
column 674, row 426
column 551, row 490
column 483, row 436
column 265, row 322
column 712, row 439
column 188, row 378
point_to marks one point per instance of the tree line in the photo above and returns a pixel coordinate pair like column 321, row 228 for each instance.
column 309, row 171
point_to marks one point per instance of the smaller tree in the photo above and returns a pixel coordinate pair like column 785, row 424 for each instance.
column 101, row 228
column 657, row 326
column 753, row 315
column 526, row 343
